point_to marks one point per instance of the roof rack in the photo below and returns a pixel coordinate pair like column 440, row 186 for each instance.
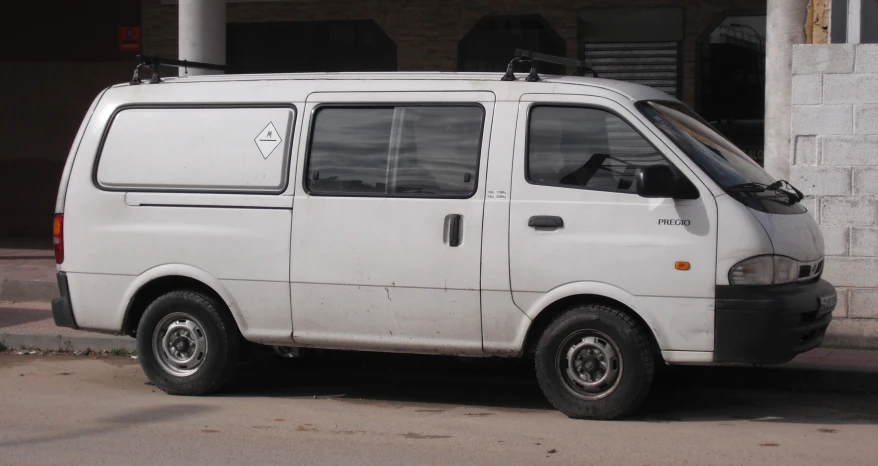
column 154, row 63
column 534, row 58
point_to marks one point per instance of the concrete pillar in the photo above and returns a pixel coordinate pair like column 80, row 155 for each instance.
column 202, row 34
column 786, row 26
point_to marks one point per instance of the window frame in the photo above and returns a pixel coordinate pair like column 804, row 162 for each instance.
column 306, row 168
column 586, row 107
column 285, row 170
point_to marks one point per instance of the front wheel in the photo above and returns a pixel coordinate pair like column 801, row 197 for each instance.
column 186, row 344
column 594, row 362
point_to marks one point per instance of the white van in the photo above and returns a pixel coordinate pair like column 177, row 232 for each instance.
column 597, row 226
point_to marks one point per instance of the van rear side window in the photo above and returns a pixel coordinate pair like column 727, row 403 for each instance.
column 396, row 151
column 214, row 149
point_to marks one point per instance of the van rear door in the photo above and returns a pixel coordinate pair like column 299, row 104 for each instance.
column 387, row 229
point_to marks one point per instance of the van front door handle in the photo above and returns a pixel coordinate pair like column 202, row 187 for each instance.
column 545, row 221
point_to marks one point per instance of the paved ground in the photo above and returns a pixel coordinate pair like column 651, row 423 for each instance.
column 366, row 409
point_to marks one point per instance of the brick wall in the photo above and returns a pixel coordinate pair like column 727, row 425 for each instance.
column 834, row 161
column 427, row 32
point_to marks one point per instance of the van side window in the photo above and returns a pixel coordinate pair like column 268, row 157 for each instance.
column 395, row 151
column 585, row 148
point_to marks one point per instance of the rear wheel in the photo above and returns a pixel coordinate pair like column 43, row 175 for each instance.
column 594, row 362
column 187, row 344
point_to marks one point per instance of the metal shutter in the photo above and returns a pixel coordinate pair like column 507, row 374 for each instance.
column 655, row 64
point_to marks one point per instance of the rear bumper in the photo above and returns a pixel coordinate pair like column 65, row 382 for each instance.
column 771, row 324
column 62, row 309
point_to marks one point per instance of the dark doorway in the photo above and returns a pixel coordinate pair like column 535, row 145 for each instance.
column 731, row 92
column 491, row 43
column 309, row 46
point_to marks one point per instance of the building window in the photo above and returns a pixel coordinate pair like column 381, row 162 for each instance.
column 862, row 13
column 731, row 85
column 491, row 43
column 640, row 45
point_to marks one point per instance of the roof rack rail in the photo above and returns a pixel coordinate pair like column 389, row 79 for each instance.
column 154, row 63
column 534, row 58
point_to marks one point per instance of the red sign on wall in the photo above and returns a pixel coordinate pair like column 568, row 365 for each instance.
column 129, row 39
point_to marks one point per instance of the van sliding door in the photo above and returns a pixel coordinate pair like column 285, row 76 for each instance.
column 387, row 230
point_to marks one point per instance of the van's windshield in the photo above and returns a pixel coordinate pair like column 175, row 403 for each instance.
column 734, row 171
column 719, row 158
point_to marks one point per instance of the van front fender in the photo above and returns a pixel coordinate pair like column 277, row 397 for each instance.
column 681, row 324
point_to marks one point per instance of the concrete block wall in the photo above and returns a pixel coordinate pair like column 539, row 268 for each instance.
column 834, row 160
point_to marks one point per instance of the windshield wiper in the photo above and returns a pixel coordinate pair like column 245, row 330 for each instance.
column 781, row 186
column 784, row 186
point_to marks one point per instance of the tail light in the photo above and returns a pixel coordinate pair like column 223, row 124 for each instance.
column 58, row 238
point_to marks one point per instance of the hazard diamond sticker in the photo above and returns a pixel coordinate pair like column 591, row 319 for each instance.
column 268, row 140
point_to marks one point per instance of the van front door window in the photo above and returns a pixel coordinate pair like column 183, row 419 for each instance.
column 585, row 148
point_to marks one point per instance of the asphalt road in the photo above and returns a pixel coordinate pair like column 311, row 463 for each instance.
column 367, row 409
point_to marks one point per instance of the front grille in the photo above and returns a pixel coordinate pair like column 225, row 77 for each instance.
column 810, row 271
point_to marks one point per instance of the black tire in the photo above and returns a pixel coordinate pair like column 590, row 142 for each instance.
column 588, row 333
column 215, row 331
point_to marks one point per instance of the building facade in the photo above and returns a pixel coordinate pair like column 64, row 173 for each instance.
column 696, row 50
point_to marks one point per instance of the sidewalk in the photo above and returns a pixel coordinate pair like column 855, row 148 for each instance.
column 27, row 274
column 27, row 287
column 30, row 326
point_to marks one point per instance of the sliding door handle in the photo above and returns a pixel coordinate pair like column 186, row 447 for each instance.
column 545, row 221
column 454, row 230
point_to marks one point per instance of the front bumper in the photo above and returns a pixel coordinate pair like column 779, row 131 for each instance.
column 771, row 324
column 62, row 309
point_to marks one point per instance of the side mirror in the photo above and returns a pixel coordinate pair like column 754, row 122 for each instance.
column 656, row 181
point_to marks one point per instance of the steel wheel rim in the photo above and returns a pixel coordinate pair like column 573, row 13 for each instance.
column 180, row 344
column 589, row 364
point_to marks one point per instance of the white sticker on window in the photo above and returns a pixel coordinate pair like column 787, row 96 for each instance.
column 268, row 140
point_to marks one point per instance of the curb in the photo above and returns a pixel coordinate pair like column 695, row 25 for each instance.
column 14, row 289
column 66, row 342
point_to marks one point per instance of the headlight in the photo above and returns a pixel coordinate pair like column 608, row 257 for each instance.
column 764, row 270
